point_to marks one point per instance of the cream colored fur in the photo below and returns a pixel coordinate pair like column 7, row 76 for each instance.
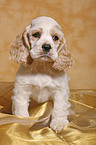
column 44, row 77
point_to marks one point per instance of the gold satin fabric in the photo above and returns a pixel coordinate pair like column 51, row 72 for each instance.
column 35, row 130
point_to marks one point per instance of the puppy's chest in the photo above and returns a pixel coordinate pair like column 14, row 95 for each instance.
column 43, row 87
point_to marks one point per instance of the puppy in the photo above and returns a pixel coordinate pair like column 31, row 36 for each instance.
column 42, row 51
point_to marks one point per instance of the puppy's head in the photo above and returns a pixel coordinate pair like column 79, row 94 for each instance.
column 42, row 40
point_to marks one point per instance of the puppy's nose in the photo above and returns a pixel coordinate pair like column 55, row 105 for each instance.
column 46, row 47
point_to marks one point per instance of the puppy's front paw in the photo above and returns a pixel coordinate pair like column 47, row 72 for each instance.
column 58, row 124
column 21, row 113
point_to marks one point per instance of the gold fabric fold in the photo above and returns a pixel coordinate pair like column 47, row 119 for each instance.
column 35, row 130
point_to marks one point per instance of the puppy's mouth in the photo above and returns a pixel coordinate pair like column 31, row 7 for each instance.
column 44, row 57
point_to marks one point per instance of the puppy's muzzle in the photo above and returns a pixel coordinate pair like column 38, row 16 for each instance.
column 46, row 47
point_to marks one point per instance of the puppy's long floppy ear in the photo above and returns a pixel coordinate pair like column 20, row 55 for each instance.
column 64, row 59
column 20, row 47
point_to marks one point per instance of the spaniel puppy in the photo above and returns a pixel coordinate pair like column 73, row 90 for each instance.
column 42, row 51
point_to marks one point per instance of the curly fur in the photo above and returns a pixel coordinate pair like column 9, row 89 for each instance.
column 41, row 75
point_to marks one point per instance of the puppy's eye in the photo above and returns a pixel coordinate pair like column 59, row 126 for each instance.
column 55, row 38
column 36, row 35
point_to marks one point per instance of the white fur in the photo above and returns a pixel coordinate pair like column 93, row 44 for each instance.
column 40, row 81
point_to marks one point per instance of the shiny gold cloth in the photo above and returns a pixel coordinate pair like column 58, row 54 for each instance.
column 35, row 130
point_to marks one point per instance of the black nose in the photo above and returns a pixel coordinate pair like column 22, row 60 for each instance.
column 46, row 47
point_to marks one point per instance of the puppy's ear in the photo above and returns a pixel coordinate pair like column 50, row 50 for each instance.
column 64, row 59
column 20, row 47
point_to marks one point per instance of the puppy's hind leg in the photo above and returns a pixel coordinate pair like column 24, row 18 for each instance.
column 20, row 99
